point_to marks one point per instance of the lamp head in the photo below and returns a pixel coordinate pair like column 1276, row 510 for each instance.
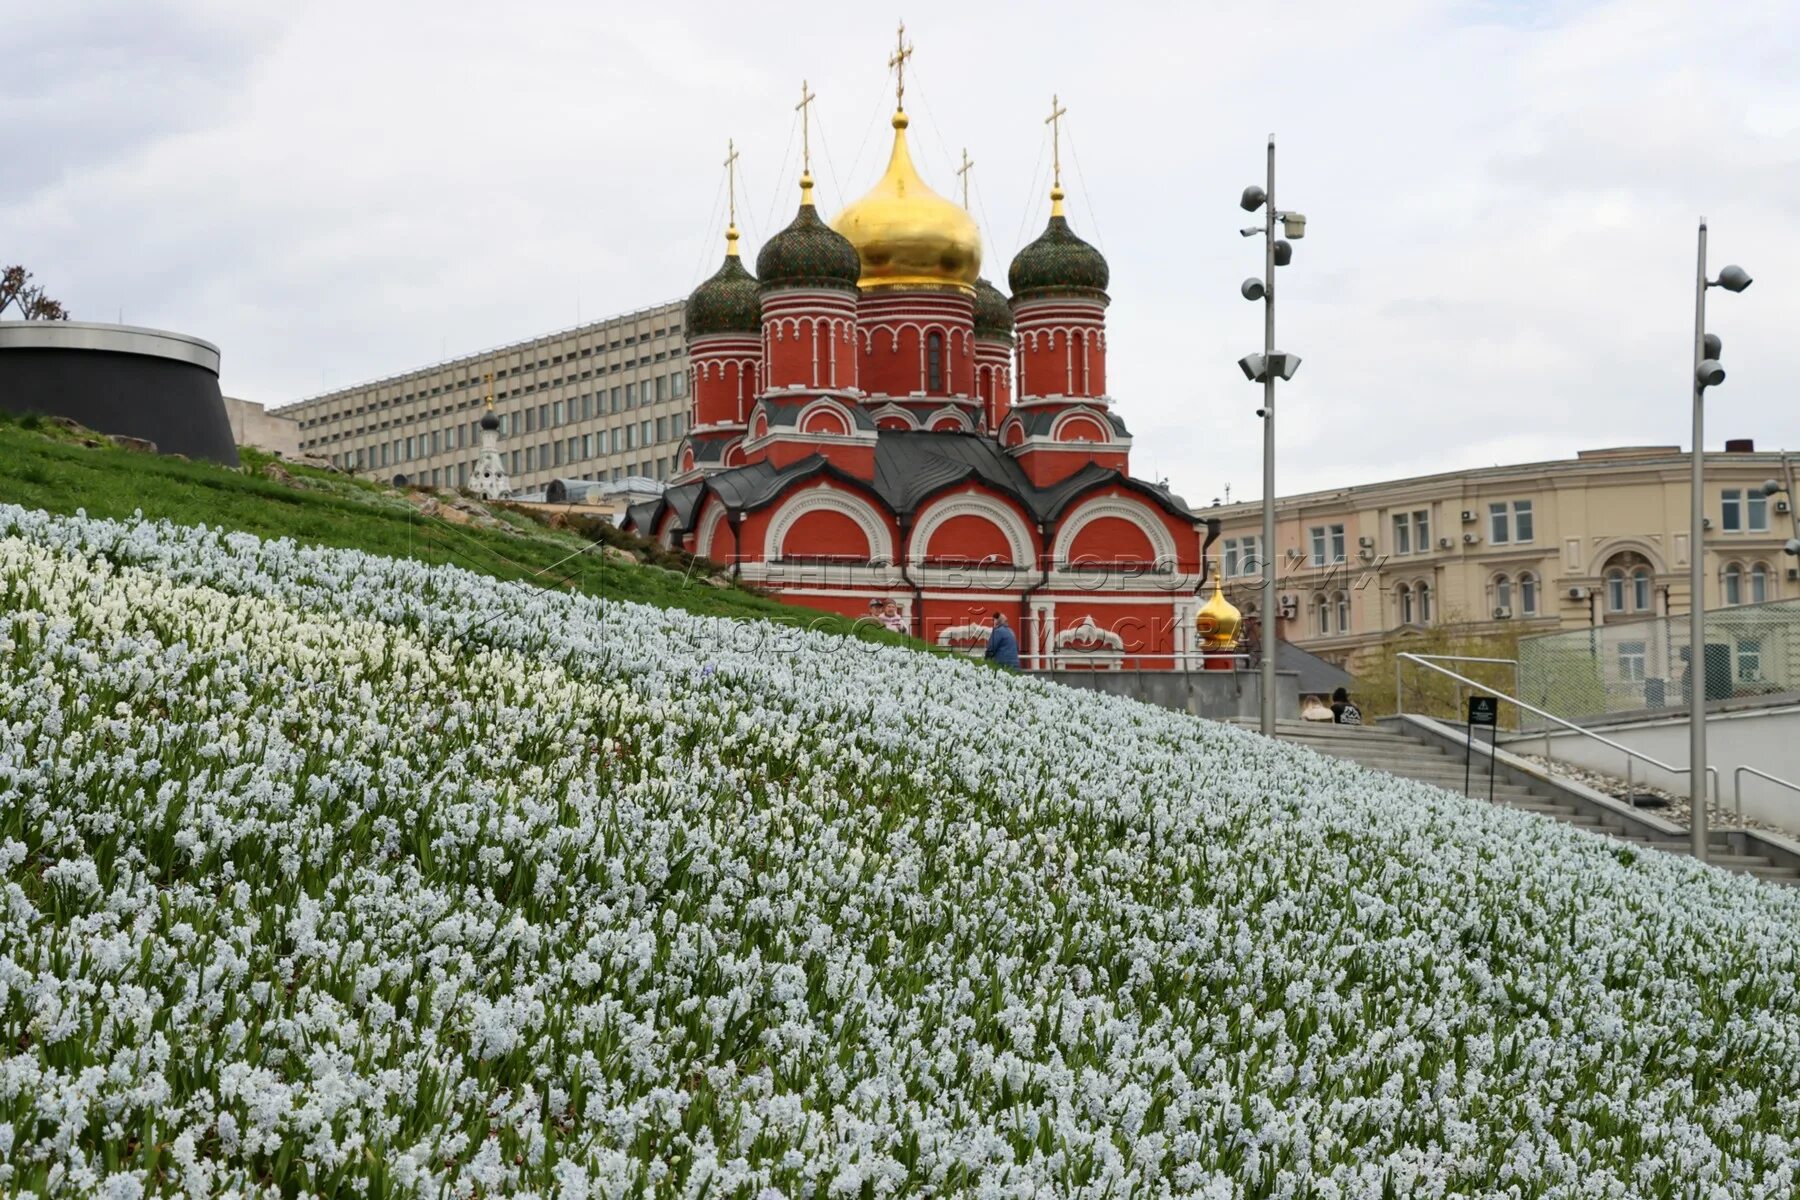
column 1792, row 547
column 1284, row 253
column 1253, row 367
column 1734, row 278
column 1714, row 348
column 1252, row 288
column 1284, row 364
column 1294, row 225
column 1709, row 373
column 1771, row 486
column 1252, row 199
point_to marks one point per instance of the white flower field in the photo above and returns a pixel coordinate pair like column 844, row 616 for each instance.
column 339, row 875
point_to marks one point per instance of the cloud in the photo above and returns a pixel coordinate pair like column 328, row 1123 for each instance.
column 1501, row 197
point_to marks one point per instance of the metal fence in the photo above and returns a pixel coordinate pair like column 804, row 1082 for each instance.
column 1640, row 667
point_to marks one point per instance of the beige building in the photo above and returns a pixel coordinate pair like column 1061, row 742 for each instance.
column 600, row 401
column 252, row 425
column 1594, row 540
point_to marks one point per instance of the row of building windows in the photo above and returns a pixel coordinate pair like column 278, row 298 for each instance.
column 551, row 413
column 479, row 377
column 1747, row 653
column 576, row 448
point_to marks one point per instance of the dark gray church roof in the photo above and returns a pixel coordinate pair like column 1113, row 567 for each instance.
column 911, row 466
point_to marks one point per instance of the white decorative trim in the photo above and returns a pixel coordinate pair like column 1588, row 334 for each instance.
column 966, row 639
column 1162, row 544
column 1084, row 634
column 826, row 499
column 890, row 409
column 972, row 504
column 1108, row 433
column 709, row 528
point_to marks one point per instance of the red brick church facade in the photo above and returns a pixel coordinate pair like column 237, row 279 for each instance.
column 873, row 420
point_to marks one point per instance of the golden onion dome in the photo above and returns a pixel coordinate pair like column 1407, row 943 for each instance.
column 1218, row 620
column 907, row 235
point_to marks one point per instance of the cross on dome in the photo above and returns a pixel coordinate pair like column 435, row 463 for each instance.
column 804, row 108
column 897, row 60
column 1054, row 121
column 962, row 173
column 731, row 232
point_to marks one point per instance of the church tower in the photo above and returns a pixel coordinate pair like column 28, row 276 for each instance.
column 920, row 255
column 1062, row 419
column 489, row 480
column 723, row 324
column 807, row 278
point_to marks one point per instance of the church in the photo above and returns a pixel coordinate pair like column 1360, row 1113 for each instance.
column 872, row 420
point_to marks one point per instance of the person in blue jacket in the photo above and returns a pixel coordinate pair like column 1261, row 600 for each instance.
column 1002, row 646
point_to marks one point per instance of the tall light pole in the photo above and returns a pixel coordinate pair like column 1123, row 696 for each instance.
column 1264, row 368
column 1707, row 373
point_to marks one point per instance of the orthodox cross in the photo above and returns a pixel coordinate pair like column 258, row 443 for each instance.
column 1054, row 121
column 963, row 173
column 806, row 99
column 490, row 389
column 897, row 60
column 731, row 157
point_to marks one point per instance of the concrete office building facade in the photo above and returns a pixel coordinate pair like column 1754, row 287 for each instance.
column 605, row 400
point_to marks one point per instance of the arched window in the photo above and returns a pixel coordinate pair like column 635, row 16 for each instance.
column 1528, row 594
column 1502, row 593
column 1759, row 583
column 1640, row 590
column 1341, row 602
column 1321, row 616
column 1734, row 584
column 1615, row 590
column 1424, row 590
column 934, row 362
column 1405, row 597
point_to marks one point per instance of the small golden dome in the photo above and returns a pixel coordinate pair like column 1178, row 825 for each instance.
column 907, row 235
column 1218, row 620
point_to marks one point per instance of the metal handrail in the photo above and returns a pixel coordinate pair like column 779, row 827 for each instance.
column 1400, row 683
column 1737, row 787
column 1630, row 754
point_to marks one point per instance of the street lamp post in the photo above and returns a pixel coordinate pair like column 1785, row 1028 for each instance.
column 1707, row 373
column 1264, row 368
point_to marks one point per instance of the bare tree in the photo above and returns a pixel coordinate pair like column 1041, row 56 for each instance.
column 17, row 291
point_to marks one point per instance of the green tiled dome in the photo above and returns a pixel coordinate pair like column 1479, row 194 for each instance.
column 1058, row 263
column 726, row 303
column 808, row 253
column 993, row 315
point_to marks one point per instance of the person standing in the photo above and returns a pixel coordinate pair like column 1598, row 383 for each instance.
column 1343, row 712
column 892, row 619
column 1003, row 646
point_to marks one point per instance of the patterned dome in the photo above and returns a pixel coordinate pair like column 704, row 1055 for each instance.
column 1058, row 263
column 727, row 302
column 993, row 315
column 808, row 253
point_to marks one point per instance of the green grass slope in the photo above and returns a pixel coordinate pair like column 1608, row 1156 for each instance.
column 49, row 465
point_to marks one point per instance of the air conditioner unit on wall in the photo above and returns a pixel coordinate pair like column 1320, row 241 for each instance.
column 1445, row 543
column 1367, row 543
column 1290, row 606
column 1468, row 515
column 1578, row 593
column 1793, row 577
column 1781, row 506
column 1502, row 614
column 1706, row 522
column 1469, row 539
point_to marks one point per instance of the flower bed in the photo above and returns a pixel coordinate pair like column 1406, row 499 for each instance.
column 327, row 873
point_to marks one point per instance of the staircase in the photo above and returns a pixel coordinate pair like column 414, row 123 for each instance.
column 1411, row 758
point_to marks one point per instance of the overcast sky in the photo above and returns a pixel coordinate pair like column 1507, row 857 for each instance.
column 1502, row 197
